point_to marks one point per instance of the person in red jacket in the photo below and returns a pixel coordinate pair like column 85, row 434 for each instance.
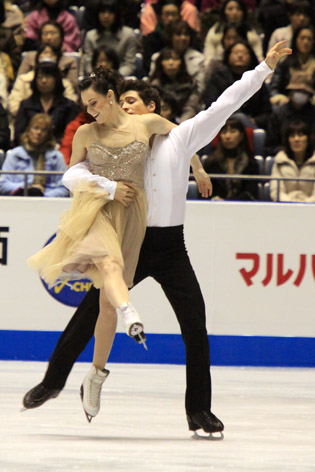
column 66, row 142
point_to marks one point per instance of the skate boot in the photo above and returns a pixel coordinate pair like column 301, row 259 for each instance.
column 90, row 391
column 38, row 395
column 133, row 323
column 208, row 422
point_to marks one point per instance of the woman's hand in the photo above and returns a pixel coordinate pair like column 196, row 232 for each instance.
column 275, row 53
column 125, row 193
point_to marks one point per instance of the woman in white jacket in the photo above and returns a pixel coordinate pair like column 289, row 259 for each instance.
column 297, row 159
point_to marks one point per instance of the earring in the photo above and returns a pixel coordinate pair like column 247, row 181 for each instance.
column 110, row 102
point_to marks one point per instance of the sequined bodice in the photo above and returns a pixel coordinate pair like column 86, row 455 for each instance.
column 119, row 163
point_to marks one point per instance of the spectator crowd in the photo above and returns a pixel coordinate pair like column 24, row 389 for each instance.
column 190, row 51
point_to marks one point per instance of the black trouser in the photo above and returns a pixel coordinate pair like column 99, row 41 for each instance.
column 164, row 257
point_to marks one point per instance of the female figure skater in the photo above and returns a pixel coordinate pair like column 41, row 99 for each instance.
column 100, row 237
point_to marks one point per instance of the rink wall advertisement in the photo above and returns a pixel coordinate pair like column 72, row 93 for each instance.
column 255, row 263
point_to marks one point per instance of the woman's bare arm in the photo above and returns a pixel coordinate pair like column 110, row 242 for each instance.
column 79, row 145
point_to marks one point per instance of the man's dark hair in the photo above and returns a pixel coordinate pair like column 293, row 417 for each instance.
column 146, row 92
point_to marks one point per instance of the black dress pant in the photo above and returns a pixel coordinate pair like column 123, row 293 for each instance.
column 163, row 256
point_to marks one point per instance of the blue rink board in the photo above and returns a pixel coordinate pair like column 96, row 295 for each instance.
column 261, row 351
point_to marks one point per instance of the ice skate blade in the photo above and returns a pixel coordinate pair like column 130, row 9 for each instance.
column 88, row 417
column 211, row 436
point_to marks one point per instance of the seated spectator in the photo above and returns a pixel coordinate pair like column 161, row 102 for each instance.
column 47, row 97
column 272, row 14
column 300, row 14
column 239, row 58
column 112, row 34
column 130, row 11
column 14, row 20
column 105, row 57
column 22, row 85
column 171, row 76
column 54, row 10
column 299, row 107
column 296, row 159
column 151, row 11
column 66, row 142
column 51, row 34
column 8, row 44
column 233, row 12
column 168, row 14
column 4, row 129
column 182, row 39
column 169, row 106
column 231, row 34
column 232, row 156
column 210, row 4
column 300, row 64
column 37, row 152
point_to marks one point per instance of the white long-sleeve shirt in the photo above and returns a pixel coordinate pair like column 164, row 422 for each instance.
column 167, row 171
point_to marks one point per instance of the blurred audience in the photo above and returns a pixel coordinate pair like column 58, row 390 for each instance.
column 299, row 66
column 233, row 12
column 55, row 10
column 171, row 76
column 239, row 58
column 111, row 33
column 36, row 152
column 232, row 155
column 296, row 159
column 47, row 97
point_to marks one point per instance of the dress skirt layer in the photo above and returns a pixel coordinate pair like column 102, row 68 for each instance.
column 94, row 229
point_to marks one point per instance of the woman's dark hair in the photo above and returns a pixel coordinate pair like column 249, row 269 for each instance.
column 240, row 30
column 223, row 21
column 179, row 27
column 162, row 3
column 42, row 48
column 110, row 53
column 170, row 99
column 51, row 69
column 300, row 6
column 101, row 81
column 112, row 6
column 57, row 26
column 298, row 127
column 40, row 4
column 253, row 58
column 167, row 53
column 243, row 146
column 146, row 92
column 294, row 60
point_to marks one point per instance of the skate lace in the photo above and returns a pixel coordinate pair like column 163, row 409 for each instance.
column 94, row 393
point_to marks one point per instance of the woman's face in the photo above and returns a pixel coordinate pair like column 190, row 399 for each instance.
column 37, row 134
column 47, row 53
column 103, row 61
column 230, row 37
column 51, row 36
column 298, row 142
column 239, row 56
column 97, row 105
column 171, row 66
column 45, row 83
column 304, row 41
column 231, row 137
column 106, row 19
column 233, row 13
column 181, row 41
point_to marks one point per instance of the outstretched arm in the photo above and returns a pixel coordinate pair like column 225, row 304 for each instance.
column 155, row 124
column 193, row 134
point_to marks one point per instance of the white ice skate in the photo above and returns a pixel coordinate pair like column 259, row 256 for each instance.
column 133, row 323
column 90, row 391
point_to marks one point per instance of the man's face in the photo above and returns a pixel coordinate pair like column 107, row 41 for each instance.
column 132, row 104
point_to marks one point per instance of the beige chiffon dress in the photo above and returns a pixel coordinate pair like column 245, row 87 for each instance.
column 96, row 227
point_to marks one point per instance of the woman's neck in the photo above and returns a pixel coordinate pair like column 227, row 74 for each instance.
column 117, row 118
column 299, row 157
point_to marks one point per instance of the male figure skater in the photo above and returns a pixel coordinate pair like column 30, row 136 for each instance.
column 163, row 255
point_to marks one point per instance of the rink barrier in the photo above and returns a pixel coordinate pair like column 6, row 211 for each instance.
column 255, row 351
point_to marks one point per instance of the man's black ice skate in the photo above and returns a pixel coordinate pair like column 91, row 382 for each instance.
column 38, row 395
column 208, row 422
column 133, row 323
